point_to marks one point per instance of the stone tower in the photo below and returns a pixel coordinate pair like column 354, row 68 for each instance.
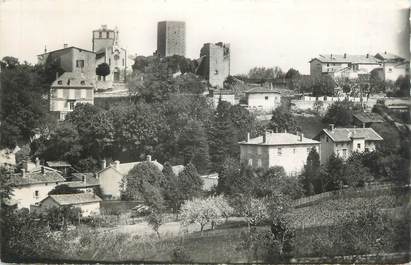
column 171, row 38
column 104, row 38
column 215, row 63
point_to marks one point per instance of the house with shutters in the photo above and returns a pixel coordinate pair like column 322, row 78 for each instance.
column 287, row 150
column 342, row 142
column 33, row 185
column 263, row 98
column 68, row 90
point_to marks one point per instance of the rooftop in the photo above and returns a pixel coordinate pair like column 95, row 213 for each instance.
column 36, row 177
column 73, row 79
column 83, row 180
column 260, row 89
column 346, row 134
column 78, row 198
column 389, row 56
column 347, row 58
column 367, row 117
column 280, row 139
column 124, row 168
column 66, row 48
column 58, row 164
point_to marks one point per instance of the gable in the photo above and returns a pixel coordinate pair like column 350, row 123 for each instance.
column 109, row 173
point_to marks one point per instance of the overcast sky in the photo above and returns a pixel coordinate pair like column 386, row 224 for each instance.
column 268, row 33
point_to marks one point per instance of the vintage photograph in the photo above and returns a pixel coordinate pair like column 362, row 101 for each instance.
column 205, row 131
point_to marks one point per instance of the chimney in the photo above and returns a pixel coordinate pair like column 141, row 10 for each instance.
column 42, row 170
column 65, row 45
column 117, row 164
column 149, row 158
column 301, row 137
column 264, row 137
column 25, row 166
column 103, row 164
column 363, row 124
column 45, row 48
column 368, row 55
column 345, row 55
column 248, row 137
column 37, row 162
column 285, row 130
column 331, row 127
column 23, row 173
column 331, row 56
column 84, row 179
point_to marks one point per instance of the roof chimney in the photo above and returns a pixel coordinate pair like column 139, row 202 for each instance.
column 103, row 164
column 117, row 164
column 65, row 45
column 149, row 158
column 84, row 179
column 368, row 55
column 45, row 49
column 37, row 162
column 23, row 173
column 331, row 127
column 285, row 130
column 345, row 55
column 248, row 137
column 301, row 137
column 42, row 170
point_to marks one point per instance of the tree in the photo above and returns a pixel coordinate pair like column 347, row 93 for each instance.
column 323, row 86
column 333, row 176
column 292, row 73
column 310, row 178
column 283, row 234
column 199, row 211
column 171, row 193
column 155, row 220
column 340, row 113
column 63, row 189
column 228, row 175
column 222, row 136
column 356, row 174
column 282, row 120
column 403, row 83
column 255, row 211
column 193, row 145
column 103, row 70
column 189, row 182
column 265, row 73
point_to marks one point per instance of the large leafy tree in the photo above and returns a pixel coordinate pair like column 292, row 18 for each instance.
column 264, row 73
column 282, row 120
column 189, row 183
column 310, row 177
column 228, row 175
column 222, row 136
column 103, row 69
column 340, row 113
column 193, row 146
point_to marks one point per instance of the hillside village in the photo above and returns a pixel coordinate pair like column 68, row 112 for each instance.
column 101, row 146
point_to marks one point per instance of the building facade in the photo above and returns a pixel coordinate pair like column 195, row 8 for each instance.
column 30, row 187
column 107, row 48
column 68, row 90
column 264, row 99
column 342, row 142
column 287, row 150
column 72, row 59
column 171, row 38
column 394, row 66
column 215, row 63
column 88, row 203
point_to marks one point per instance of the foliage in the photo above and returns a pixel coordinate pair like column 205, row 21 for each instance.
column 63, row 189
column 282, row 120
column 193, row 145
column 180, row 255
column 255, row 211
column 292, row 73
column 311, row 178
column 58, row 218
column 356, row 174
column 265, row 73
column 403, row 84
column 317, row 86
column 103, row 69
column 171, row 192
column 340, row 113
column 283, row 234
column 189, row 183
column 155, row 220
column 228, row 175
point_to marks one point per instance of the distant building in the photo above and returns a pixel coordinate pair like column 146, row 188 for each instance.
column 342, row 142
column 215, row 63
column 223, row 95
column 277, row 149
column 346, row 65
column 110, row 177
column 62, row 166
column 171, row 38
column 72, row 59
column 68, row 90
column 394, row 66
column 88, row 203
column 262, row 98
column 85, row 182
column 366, row 119
column 33, row 185
column 107, row 48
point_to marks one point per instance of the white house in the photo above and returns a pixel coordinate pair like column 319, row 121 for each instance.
column 277, row 149
column 394, row 66
column 262, row 98
column 110, row 177
column 33, row 186
column 343, row 142
column 88, row 203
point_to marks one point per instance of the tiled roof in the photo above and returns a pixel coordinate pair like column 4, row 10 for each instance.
column 368, row 117
column 58, row 164
column 346, row 134
column 75, row 79
column 257, row 90
column 35, row 177
column 78, row 181
column 71, row 47
column 124, row 168
column 388, row 56
column 348, row 58
column 280, row 139
column 78, row 198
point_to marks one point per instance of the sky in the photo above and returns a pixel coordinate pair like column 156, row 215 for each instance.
column 284, row 33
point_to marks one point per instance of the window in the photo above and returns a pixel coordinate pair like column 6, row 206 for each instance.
column 80, row 63
column 293, row 150
column 279, row 151
column 359, row 146
column 71, row 104
column 250, row 162
column 99, row 34
column 389, row 70
column 83, row 82
column 344, row 153
column 60, row 82
column 36, row 194
column 266, row 97
column 259, row 163
column 259, row 150
column 116, row 57
column 109, row 61
column 328, row 64
column 326, row 138
column 367, row 149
